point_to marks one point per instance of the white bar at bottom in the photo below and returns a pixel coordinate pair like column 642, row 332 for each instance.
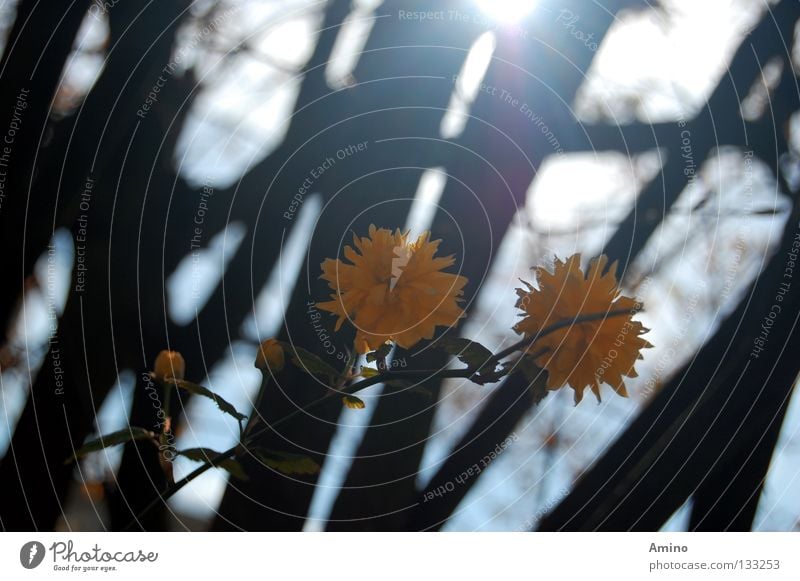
column 401, row 556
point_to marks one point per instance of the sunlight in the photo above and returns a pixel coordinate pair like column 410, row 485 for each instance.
column 506, row 10
column 468, row 85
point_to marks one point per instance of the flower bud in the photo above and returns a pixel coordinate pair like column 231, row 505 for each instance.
column 270, row 356
column 169, row 365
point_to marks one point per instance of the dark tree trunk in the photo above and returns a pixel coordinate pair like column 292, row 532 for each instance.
column 33, row 61
column 715, row 418
column 718, row 123
column 552, row 105
column 94, row 331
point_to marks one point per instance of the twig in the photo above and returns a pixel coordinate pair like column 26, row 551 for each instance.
column 386, row 375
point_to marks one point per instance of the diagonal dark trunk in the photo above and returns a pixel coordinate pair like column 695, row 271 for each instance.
column 716, row 413
column 31, row 66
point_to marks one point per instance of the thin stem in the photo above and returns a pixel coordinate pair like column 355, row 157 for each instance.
column 266, row 377
column 527, row 341
column 231, row 452
column 176, row 486
column 495, row 359
column 382, row 377
column 167, row 394
column 166, row 427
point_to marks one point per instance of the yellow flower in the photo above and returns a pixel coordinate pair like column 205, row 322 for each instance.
column 393, row 289
column 169, row 365
column 584, row 354
column 270, row 356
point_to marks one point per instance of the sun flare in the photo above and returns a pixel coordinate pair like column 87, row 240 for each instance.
column 506, row 10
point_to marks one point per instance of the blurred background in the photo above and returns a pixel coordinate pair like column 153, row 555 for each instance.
column 173, row 174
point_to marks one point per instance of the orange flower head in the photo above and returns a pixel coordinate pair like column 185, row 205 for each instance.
column 586, row 353
column 270, row 356
column 392, row 289
column 169, row 365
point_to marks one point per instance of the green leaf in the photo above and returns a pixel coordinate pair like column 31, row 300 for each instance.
column 222, row 404
column 475, row 356
column 109, row 440
column 381, row 353
column 469, row 352
column 310, row 363
column 486, row 375
column 207, row 455
column 286, row 462
column 367, row 372
column 353, row 402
